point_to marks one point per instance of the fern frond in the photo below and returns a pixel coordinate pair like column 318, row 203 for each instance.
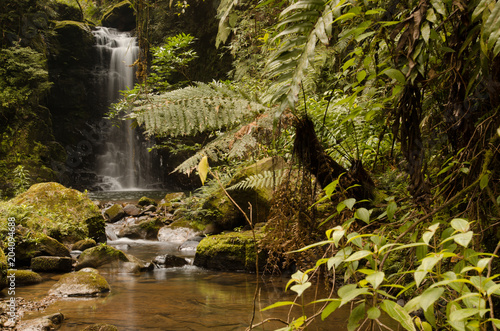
column 266, row 179
column 195, row 109
column 290, row 63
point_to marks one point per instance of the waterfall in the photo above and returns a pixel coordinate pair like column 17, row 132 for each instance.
column 123, row 162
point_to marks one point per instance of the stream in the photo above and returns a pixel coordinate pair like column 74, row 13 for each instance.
column 183, row 298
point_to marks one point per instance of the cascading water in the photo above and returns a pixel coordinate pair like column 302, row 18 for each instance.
column 124, row 162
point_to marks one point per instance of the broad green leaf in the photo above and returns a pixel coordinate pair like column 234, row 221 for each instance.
column 391, row 209
column 430, row 316
column 439, row 6
column 495, row 289
column 460, row 224
column 483, row 263
column 376, row 279
column 430, row 296
column 358, row 256
column 203, row 169
column 337, row 235
column 395, row 74
column 427, row 265
column 350, row 203
column 461, row 314
column 357, row 315
column 348, row 63
column 355, row 238
column 427, row 236
column 300, row 288
column 463, row 239
column 330, row 308
column 363, row 214
column 484, row 181
column 495, row 321
column 279, row 304
column 426, row 31
column 374, row 11
column 373, row 313
column 345, row 17
column 397, row 313
column 349, row 292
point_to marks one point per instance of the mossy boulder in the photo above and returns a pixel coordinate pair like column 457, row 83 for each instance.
column 51, row 264
column 225, row 214
column 26, row 277
column 64, row 214
column 108, row 257
column 30, row 244
column 145, row 201
column 114, row 213
column 234, row 251
column 84, row 244
column 100, row 327
column 121, row 16
column 87, row 282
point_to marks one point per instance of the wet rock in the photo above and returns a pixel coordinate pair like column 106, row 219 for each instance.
column 145, row 201
column 131, row 210
column 121, row 16
column 169, row 261
column 50, row 322
column 83, row 244
column 107, row 257
column 100, row 327
column 114, row 213
column 52, row 264
column 189, row 246
column 86, row 282
column 25, row 277
column 234, row 251
column 146, row 229
column 176, row 234
column 149, row 209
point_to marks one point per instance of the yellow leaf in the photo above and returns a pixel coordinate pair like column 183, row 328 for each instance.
column 203, row 169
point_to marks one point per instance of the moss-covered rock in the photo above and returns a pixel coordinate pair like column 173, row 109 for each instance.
column 84, row 244
column 51, row 264
column 114, row 213
column 107, row 257
column 121, row 16
column 30, row 244
column 64, row 214
column 101, row 327
column 225, row 214
column 25, row 277
column 145, row 201
column 87, row 282
column 234, row 251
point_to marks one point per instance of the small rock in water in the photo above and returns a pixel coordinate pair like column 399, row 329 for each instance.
column 114, row 213
column 131, row 210
column 178, row 235
column 189, row 245
column 80, row 283
column 50, row 322
column 169, row 261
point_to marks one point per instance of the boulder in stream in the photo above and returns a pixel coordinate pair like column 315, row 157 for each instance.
column 26, row 277
column 145, row 201
column 131, row 210
column 50, row 322
column 52, row 264
column 114, row 213
column 86, row 282
column 84, row 244
column 175, row 234
column 108, row 257
column 234, row 251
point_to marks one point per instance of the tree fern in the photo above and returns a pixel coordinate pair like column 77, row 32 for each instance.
column 195, row 109
column 266, row 179
column 304, row 23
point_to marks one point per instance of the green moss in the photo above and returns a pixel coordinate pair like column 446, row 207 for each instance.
column 66, row 24
column 83, row 282
column 3, row 270
column 26, row 277
column 62, row 213
column 145, row 201
column 229, row 251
